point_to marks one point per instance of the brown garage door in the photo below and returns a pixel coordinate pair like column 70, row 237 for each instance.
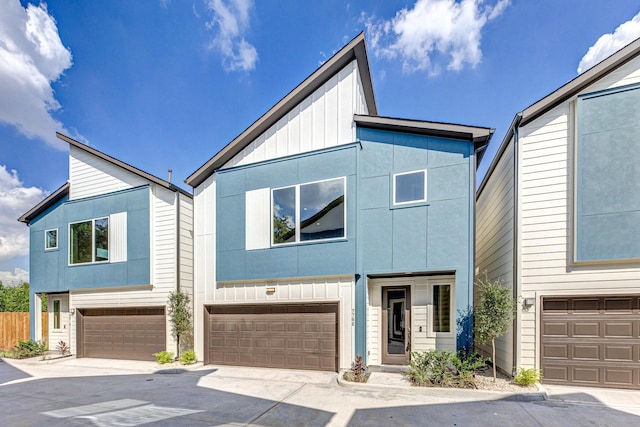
column 591, row 341
column 293, row 336
column 121, row 333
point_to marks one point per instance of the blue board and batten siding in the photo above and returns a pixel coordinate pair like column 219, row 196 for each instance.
column 607, row 175
column 381, row 239
column 50, row 270
column 333, row 257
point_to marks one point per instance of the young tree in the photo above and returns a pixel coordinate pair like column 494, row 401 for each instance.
column 493, row 314
column 179, row 315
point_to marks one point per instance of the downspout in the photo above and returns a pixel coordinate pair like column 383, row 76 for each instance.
column 516, row 284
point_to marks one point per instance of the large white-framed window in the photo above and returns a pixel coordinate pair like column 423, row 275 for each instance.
column 313, row 211
column 51, row 239
column 410, row 187
column 89, row 241
column 442, row 313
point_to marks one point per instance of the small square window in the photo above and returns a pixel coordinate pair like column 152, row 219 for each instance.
column 410, row 187
column 51, row 239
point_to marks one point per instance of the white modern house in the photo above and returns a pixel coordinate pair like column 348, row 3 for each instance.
column 558, row 221
column 107, row 248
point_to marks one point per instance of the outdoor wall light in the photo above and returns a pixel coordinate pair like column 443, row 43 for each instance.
column 72, row 311
column 528, row 302
column 271, row 291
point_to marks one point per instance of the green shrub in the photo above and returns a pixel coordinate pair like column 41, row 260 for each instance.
column 443, row 369
column 29, row 348
column 358, row 372
column 526, row 377
column 188, row 357
column 163, row 357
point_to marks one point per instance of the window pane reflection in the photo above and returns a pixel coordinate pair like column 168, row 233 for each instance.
column 284, row 215
column 322, row 210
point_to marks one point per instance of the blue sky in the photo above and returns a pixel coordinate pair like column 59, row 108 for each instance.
column 165, row 84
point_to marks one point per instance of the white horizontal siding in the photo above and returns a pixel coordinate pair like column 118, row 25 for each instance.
column 330, row 289
column 547, row 225
column 494, row 240
column 90, row 175
column 204, row 255
column 324, row 119
column 185, row 255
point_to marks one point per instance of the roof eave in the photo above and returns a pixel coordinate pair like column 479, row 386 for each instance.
column 45, row 204
column 355, row 49
column 479, row 135
column 580, row 82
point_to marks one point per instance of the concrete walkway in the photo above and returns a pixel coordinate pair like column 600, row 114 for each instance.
column 106, row 392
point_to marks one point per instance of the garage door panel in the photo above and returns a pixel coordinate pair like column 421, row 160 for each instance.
column 122, row 333
column 601, row 348
column 619, row 353
column 298, row 336
column 586, row 352
column 618, row 329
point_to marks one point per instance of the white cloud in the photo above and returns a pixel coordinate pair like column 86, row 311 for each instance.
column 16, row 277
column 32, row 56
column 433, row 32
column 230, row 22
column 15, row 200
column 610, row 43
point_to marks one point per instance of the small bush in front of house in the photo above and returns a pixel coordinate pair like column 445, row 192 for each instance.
column 163, row 357
column 188, row 357
column 527, row 377
column 358, row 372
column 443, row 369
column 29, row 348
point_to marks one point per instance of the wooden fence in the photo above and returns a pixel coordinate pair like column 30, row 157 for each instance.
column 15, row 326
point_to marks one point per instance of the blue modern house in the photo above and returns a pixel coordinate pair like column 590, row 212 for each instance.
column 325, row 231
column 106, row 249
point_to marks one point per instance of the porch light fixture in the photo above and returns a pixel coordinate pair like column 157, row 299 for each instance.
column 72, row 311
column 528, row 302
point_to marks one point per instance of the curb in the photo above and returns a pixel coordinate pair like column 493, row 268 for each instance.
column 535, row 396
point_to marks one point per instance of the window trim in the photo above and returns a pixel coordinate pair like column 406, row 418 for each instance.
column 297, row 212
column 46, row 241
column 410, row 202
column 93, row 242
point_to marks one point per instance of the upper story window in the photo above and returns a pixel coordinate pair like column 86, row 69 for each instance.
column 309, row 212
column 89, row 241
column 410, row 187
column 51, row 239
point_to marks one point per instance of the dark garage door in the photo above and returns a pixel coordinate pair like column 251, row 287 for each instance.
column 121, row 333
column 292, row 336
column 591, row 341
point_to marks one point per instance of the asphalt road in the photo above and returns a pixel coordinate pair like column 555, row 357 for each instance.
column 74, row 393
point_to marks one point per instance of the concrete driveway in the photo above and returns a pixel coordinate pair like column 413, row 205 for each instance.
column 95, row 392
